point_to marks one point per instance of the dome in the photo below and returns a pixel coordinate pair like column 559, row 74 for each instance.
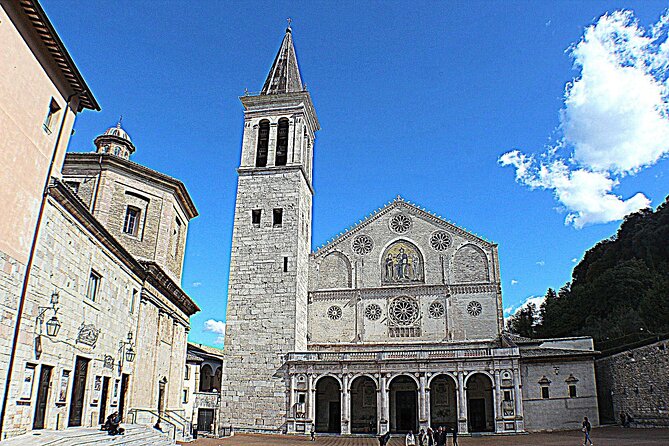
column 118, row 132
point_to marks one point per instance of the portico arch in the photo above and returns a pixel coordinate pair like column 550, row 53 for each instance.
column 480, row 403
column 363, row 405
column 328, row 405
column 443, row 401
column 403, row 404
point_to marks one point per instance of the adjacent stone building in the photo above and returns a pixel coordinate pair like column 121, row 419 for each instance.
column 393, row 326
column 202, row 388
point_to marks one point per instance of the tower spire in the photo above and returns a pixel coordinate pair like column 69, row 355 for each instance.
column 284, row 76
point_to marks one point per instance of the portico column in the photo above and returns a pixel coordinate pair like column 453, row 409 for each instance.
column 346, row 406
column 422, row 412
column 311, row 399
column 518, row 400
column 499, row 426
column 291, row 406
column 462, row 397
column 384, row 423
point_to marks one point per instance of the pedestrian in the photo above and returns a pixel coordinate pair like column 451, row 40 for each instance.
column 440, row 436
column 430, row 436
column 623, row 419
column 422, row 438
column 586, row 431
column 312, row 433
column 455, row 434
column 384, row 439
column 410, row 440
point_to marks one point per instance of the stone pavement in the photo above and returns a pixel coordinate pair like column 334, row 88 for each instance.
column 603, row 436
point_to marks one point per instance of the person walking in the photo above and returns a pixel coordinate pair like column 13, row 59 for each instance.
column 430, row 436
column 455, row 434
column 440, row 436
column 410, row 439
column 312, row 433
column 586, row 431
column 384, row 439
column 422, row 438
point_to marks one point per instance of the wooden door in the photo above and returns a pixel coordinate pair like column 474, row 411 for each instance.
column 103, row 400
column 78, row 392
column 124, row 390
column 205, row 420
column 42, row 397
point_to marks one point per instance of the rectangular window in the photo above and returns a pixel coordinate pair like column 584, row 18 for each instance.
column 131, row 222
column 50, row 119
column 255, row 217
column 572, row 390
column 277, row 217
column 93, row 286
column 176, row 235
column 301, row 398
column 285, row 264
column 544, row 392
column 507, row 395
column 187, row 377
column 185, row 396
column 133, row 299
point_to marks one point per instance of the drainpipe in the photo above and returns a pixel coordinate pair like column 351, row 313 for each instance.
column 26, row 277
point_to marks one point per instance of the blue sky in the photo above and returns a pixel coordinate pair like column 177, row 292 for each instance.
column 421, row 100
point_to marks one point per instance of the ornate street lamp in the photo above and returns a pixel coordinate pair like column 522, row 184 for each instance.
column 52, row 327
column 126, row 350
column 53, row 324
column 130, row 354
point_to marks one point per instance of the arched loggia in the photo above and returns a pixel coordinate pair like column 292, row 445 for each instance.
column 363, row 405
column 328, row 405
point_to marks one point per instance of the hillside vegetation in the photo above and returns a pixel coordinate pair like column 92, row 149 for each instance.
column 619, row 292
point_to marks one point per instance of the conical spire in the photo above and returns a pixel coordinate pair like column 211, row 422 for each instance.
column 284, row 77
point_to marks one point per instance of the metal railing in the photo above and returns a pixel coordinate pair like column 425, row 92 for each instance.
column 165, row 417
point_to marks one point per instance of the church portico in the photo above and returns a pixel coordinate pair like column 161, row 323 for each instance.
column 398, row 391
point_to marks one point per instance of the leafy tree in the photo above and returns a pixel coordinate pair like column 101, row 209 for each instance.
column 523, row 321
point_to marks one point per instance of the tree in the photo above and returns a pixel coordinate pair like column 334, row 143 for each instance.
column 523, row 321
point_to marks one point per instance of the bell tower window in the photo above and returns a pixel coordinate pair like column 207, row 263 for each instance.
column 263, row 143
column 282, row 143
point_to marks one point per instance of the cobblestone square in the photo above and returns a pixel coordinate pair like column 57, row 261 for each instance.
column 605, row 436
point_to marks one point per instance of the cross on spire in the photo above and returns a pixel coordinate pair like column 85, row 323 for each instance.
column 289, row 20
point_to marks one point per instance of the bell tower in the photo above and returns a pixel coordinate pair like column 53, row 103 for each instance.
column 267, row 291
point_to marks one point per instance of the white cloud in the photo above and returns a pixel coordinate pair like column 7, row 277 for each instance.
column 574, row 260
column 615, row 121
column 541, row 262
column 514, row 282
column 512, row 310
column 197, row 284
column 218, row 327
column 508, row 310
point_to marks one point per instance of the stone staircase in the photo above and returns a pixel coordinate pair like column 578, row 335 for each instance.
column 135, row 435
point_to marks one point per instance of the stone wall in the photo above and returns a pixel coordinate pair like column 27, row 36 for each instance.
column 637, row 383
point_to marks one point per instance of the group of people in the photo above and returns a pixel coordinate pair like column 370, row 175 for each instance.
column 426, row 437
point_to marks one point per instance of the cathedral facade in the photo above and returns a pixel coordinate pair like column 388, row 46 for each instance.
column 395, row 325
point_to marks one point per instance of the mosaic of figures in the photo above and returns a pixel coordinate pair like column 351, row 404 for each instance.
column 402, row 263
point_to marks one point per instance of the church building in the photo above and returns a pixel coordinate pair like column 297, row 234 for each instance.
column 395, row 325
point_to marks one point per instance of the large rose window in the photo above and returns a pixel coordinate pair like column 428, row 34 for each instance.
column 403, row 311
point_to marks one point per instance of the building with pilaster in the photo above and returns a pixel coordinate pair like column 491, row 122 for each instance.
column 395, row 325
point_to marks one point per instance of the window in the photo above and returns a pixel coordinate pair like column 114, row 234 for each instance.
column 282, row 143
column 301, row 398
column 176, row 234
column 133, row 299
column 50, row 119
column 507, row 395
column 131, row 222
column 74, row 185
column 255, row 217
column 544, row 392
column 93, row 286
column 277, row 218
column 263, row 143
column 572, row 390
column 285, row 264
column 185, row 399
column 187, row 377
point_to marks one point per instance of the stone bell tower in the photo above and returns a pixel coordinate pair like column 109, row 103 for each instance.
column 271, row 241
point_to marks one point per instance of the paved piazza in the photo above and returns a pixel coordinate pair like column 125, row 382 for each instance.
column 605, row 436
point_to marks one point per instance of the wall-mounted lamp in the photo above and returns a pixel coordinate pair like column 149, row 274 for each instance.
column 126, row 350
column 53, row 324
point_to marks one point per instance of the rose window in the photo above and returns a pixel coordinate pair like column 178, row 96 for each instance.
column 334, row 313
column 474, row 308
column 436, row 310
column 403, row 311
column 362, row 245
column 373, row 312
column 440, row 241
column 400, row 223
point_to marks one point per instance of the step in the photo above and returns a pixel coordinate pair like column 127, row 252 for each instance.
column 135, row 435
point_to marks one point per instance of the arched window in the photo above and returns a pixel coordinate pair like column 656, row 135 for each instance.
column 282, row 143
column 206, row 378
column 263, row 142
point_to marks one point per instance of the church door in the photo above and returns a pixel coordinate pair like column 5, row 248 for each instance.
column 78, row 392
column 477, row 419
column 42, row 397
column 103, row 400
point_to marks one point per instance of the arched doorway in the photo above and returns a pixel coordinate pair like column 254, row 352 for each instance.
column 328, row 405
column 403, row 405
column 480, row 403
column 363, row 405
column 443, row 402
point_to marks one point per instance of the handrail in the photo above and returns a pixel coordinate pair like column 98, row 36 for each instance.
column 133, row 413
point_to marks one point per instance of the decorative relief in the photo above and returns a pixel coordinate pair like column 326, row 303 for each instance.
column 440, row 241
column 362, row 245
column 373, row 312
column 403, row 311
column 474, row 308
column 436, row 310
column 400, row 223
column 334, row 312
column 402, row 263
column 88, row 335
